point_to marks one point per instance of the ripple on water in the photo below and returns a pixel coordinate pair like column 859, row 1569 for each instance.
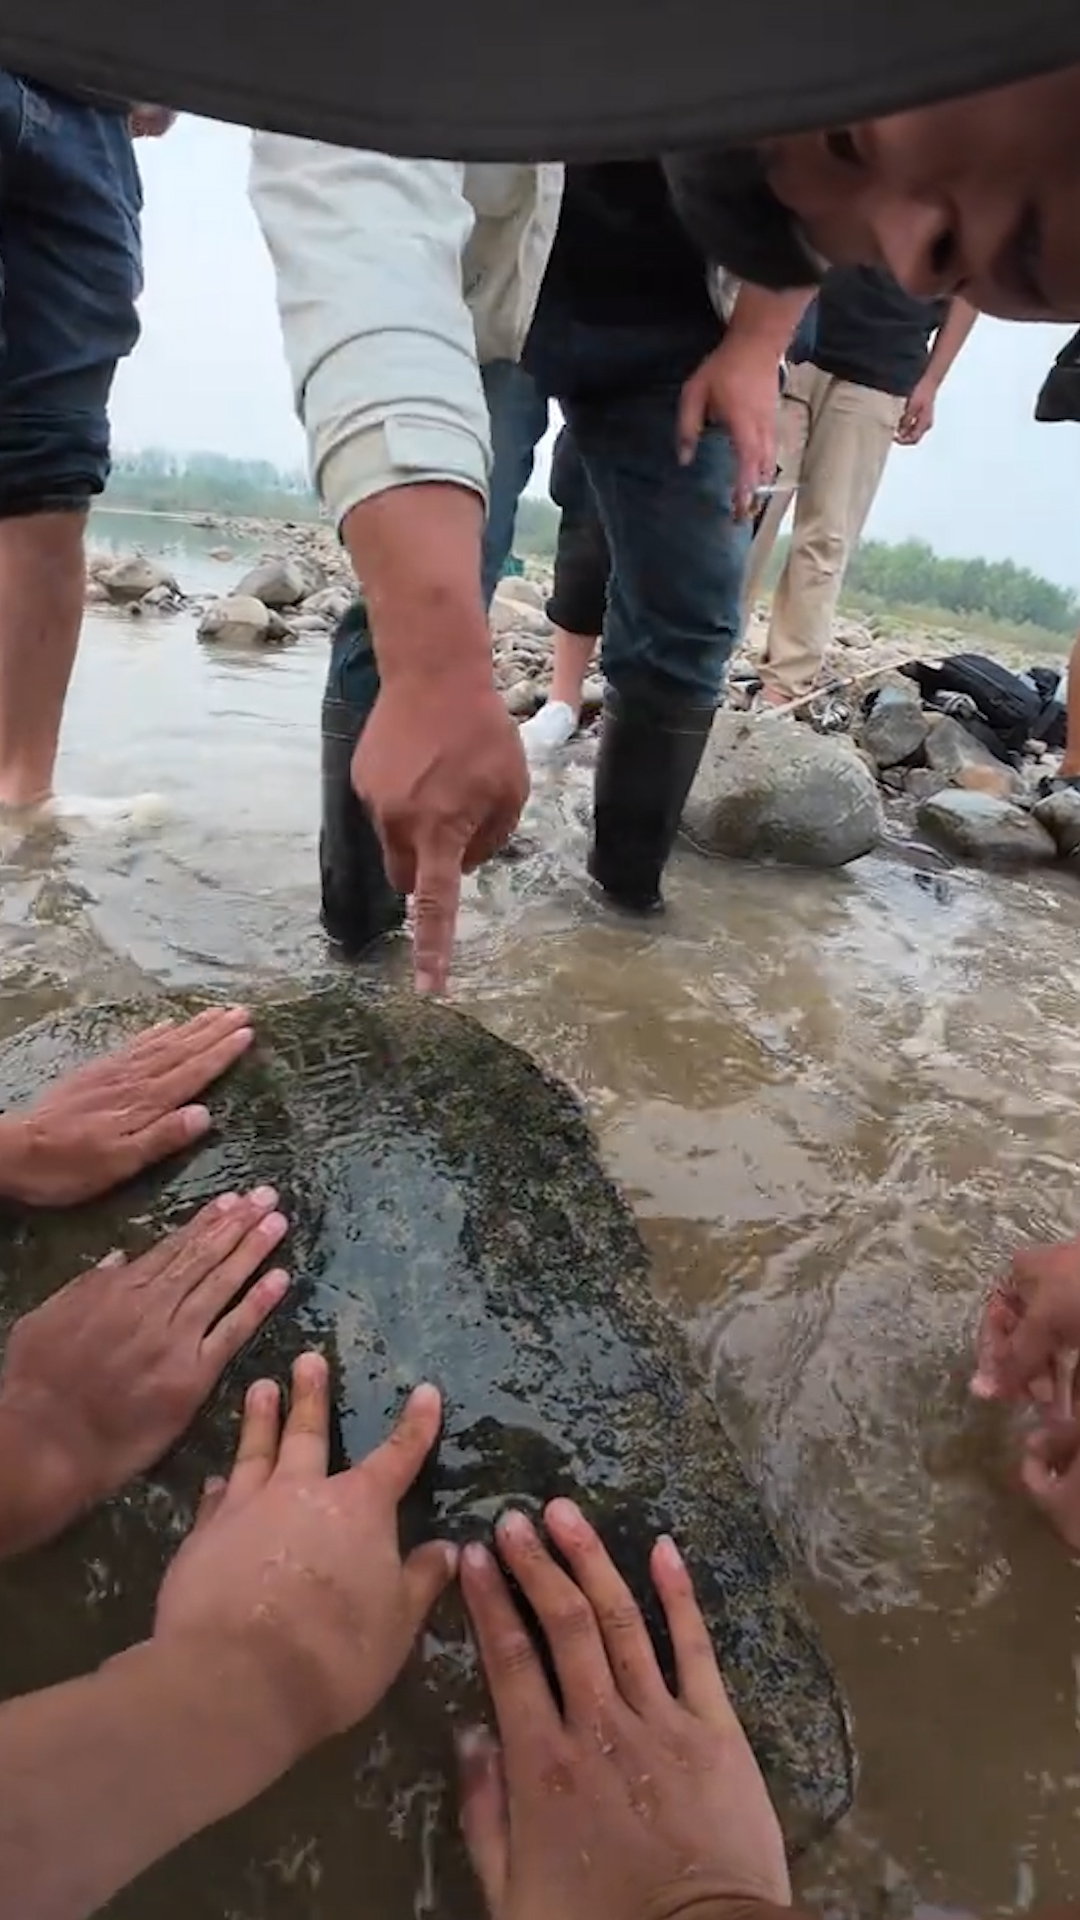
column 837, row 1101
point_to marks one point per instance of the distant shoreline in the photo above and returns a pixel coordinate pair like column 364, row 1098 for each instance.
column 207, row 517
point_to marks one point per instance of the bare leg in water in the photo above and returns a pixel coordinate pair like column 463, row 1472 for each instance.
column 42, row 581
column 71, row 271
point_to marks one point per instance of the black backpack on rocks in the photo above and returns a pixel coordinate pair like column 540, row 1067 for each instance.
column 1008, row 710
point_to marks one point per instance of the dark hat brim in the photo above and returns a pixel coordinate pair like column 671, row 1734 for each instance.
column 565, row 79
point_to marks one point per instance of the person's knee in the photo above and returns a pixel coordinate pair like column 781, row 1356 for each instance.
column 820, row 559
column 52, row 459
column 579, row 590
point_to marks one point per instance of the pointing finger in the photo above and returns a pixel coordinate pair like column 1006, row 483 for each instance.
column 435, row 908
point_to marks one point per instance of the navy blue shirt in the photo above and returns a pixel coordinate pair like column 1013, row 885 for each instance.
column 622, row 256
column 871, row 332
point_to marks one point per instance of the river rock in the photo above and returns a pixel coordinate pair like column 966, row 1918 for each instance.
column 516, row 591
column 242, row 621
column 1059, row 813
column 159, row 599
column 895, row 729
column 965, row 762
column 329, row 603
column 222, row 553
column 985, row 830
column 133, row 578
column 522, row 697
column 308, row 626
column 770, row 789
column 450, row 1220
column 921, row 782
column 277, row 583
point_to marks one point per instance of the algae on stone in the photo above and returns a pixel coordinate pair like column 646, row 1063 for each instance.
column 450, row 1221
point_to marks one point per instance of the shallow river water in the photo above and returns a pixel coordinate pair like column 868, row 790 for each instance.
column 836, row 1103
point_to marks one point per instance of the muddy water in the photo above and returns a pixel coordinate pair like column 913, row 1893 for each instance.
column 836, row 1102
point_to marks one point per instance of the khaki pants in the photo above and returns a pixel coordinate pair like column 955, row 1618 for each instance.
column 833, row 440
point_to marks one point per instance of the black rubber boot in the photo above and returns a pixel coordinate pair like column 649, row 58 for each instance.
column 358, row 903
column 650, row 749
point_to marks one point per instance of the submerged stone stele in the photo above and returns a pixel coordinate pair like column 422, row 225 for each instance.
column 450, row 1221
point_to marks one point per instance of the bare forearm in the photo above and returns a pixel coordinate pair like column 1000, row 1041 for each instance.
column 951, row 336
column 768, row 320
column 416, row 550
column 107, row 1774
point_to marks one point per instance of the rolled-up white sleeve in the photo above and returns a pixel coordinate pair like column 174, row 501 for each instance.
column 380, row 342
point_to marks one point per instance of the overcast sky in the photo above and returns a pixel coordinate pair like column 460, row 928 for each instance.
column 209, row 374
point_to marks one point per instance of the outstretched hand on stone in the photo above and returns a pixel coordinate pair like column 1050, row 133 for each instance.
column 99, row 1381
column 107, row 1122
column 626, row 1799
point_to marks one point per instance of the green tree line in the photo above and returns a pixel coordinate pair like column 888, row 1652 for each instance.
column 909, row 574
column 912, row 574
column 156, row 481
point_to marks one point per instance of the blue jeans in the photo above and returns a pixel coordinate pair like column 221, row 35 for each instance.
column 519, row 418
column 677, row 555
column 70, row 274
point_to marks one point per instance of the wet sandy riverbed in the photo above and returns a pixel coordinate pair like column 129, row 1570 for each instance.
column 836, row 1102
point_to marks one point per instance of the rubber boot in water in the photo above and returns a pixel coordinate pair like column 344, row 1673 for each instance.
column 650, row 749
column 358, row 903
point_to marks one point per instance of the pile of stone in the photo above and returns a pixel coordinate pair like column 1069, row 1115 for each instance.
column 969, row 803
column 521, row 639
column 278, row 602
column 135, row 584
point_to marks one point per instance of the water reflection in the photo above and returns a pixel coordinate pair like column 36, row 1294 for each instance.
column 837, row 1103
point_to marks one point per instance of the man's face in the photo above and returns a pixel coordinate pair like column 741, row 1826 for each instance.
column 979, row 197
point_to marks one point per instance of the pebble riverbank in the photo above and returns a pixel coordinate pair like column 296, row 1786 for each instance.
column 821, row 796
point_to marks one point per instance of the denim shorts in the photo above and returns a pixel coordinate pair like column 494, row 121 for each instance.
column 70, row 275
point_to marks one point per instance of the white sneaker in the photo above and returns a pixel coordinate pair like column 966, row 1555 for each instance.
column 548, row 730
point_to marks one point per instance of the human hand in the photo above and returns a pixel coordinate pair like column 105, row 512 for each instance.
column 1029, row 1336
column 738, row 386
column 627, row 1802
column 98, row 1382
column 918, row 416
column 1050, row 1474
column 149, row 123
column 304, row 1569
column 441, row 766
column 105, row 1123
